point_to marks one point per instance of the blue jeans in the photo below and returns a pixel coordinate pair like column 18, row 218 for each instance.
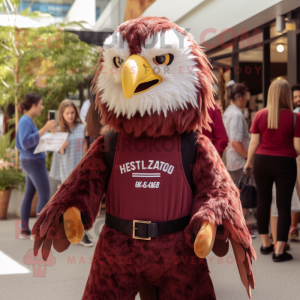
column 36, row 179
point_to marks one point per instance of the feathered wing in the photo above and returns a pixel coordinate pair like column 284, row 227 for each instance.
column 216, row 200
column 83, row 189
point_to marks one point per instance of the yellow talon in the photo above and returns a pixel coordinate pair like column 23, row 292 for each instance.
column 205, row 239
column 73, row 225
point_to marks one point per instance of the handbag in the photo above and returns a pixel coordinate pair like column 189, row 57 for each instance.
column 248, row 194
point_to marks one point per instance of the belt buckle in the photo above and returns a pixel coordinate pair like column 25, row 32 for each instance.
column 133, row 230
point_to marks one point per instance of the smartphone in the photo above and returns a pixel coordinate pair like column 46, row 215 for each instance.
column 51, row 114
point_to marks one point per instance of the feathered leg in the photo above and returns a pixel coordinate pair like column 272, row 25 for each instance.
column 189, row 280
column 217, row 201
column 109, row 278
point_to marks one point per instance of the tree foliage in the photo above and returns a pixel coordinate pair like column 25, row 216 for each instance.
column 51, row 62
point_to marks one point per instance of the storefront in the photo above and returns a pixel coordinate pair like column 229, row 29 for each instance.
column 254, row 42
column 258, row 57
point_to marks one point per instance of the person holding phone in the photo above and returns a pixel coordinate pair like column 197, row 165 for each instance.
column 51, row 115
column 33, row 165
column 72, row 151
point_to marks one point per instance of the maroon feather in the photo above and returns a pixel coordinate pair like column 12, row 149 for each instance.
column 82, row 189
column 220, row 248
column 135, row 33
column 217, row 200
column 61, row 242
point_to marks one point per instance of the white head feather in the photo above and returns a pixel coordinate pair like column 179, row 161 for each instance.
column 179, row 79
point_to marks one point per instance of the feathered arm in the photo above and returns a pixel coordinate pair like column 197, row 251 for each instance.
column 83, row 190
column 216, row 202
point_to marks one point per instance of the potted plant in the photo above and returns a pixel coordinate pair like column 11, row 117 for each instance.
column 10, row 177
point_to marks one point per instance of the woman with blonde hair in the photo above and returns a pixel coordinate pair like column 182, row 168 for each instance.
column 274, row 146
column 65, row 161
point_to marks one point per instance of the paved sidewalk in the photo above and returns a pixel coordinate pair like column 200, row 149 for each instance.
column 66, row 279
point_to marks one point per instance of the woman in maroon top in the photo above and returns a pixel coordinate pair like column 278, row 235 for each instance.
column 276, row 146
column 217, row 135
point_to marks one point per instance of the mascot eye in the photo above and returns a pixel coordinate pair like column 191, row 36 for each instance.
column 118, row 61
column 165, row 59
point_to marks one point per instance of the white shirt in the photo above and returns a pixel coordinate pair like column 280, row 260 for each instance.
column 63, row 164
column 84, row 110
column 237, row 130
column 296, row 110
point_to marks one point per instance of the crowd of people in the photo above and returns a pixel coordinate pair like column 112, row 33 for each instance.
column 81, row 135
column 270, row 154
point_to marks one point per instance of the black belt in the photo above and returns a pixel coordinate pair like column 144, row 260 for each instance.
column 145, row 230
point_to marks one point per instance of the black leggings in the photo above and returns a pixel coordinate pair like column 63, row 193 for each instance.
column 283, row 171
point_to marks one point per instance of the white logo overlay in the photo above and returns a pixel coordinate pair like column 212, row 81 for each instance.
column 140, row 165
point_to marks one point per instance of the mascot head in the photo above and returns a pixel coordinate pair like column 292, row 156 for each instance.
column 153, row 79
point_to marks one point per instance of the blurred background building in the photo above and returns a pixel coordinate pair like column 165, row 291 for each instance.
column 63, row 9
column 253, row 42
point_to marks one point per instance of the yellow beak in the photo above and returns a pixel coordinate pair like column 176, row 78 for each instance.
column 138, row 76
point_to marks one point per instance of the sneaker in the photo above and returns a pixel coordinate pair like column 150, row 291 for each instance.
column 266, row 250
column 25, row 235
column 293, row 232
column 282, row 257
column 253, row 236
column 287, row 247
column 86, row 241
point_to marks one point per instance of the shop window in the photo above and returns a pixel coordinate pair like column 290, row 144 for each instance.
column 250, row 68
column 255, row 55
column 223, row 62
column 279, row 58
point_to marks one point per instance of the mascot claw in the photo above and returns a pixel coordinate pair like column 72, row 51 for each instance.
column 205, row 239
column 73, row 225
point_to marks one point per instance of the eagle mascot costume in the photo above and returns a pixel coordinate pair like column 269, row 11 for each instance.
column 169, row 198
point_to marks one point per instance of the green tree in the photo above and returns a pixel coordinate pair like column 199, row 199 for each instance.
column 48, row 60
